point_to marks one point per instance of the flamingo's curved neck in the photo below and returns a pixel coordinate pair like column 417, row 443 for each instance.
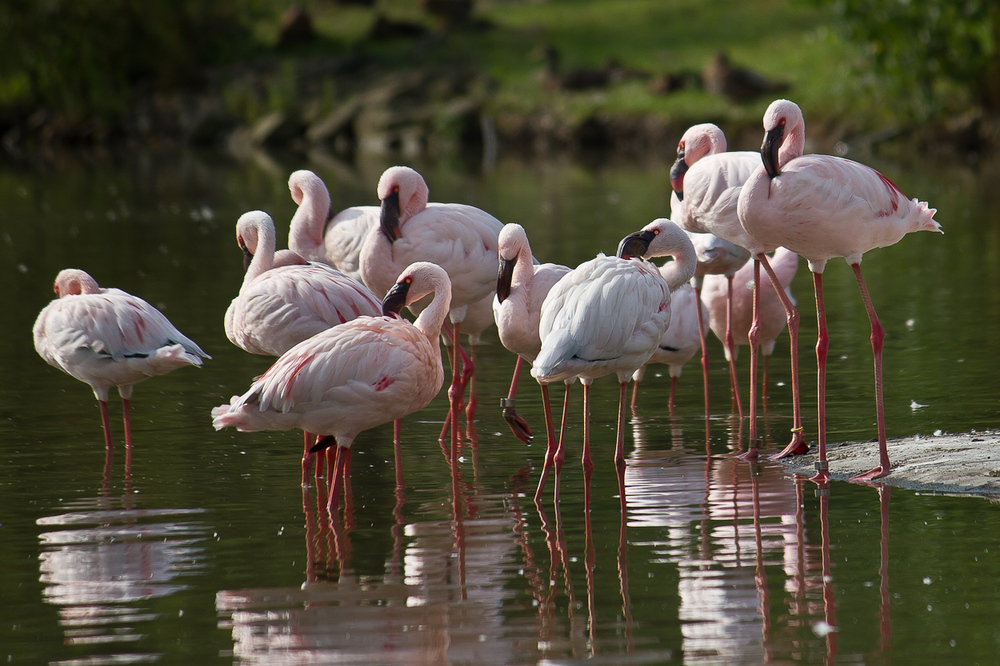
column 429, row 321
column 309, row 222
column 263, row 253
column 792, row 145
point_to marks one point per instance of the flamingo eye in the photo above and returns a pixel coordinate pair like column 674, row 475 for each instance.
column 408, row 280
column 680, row 147
column 395, row 189
column 55, row 288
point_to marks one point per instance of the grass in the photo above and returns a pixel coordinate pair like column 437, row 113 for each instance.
column 790, row 40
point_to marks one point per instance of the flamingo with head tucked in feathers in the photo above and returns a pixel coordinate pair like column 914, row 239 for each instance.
column 318, row 234
column 355, row 376
column 521, row 289
column 460, row 238
column 821, row 207
column 279, row 306
column 109, row 338
column 608, row 315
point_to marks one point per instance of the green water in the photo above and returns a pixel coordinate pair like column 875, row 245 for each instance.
column 208, row 550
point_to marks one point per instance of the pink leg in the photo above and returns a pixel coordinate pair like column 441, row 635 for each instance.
column 455, row 396
column 397, row 431
column 798, row 444
column 106, row 424
column 822, row 348
column 731, row 347
column 128, row 423
column 588, row 465
column 704, row 347
column 560, row 455
column 673, row 393
column 518, row 426
column 635, row 392
column 620, row 441
column 878, row 335
column 336, row 473
column 469, row 377
column 307, row 457
column 754, row 338
column 550, row 444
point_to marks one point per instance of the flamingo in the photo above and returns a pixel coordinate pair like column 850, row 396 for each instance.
column 822, row 207
column 707, row 183
column 279, row 306
column 521, row 289
column 317, row 234
column 461, row 239
column 735, row 320
column 680, row 342
column 717, row 256
column 107, row 337
column 352, row 377
column 607, row 316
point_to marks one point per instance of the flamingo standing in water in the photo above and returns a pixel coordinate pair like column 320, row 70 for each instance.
column 317, row 234
column 352, row 377
column 107, row 337
column 707, row 183
column 734, row 320
column 280, row 306
column 717, row 256
column 607, row 316
column 822, row 207
column 680, row 342
column 521, row 288
column 461, row 239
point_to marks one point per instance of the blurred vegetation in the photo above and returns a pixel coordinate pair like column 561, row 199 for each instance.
column 858, row 65
column 937, row 55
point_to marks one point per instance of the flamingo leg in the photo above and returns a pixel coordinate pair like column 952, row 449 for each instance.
column 798, row 444
column 106, row 424
column 308, row 457
column 455, row 396
column 878, row 335
column 588, row 464
column 560, row 455
column 550, row 444
column 673, row 393
column 754, row 337
column 518, row 425
column 128, row 423
column 822, row 347
column 469, row 377
column 731, row 347
column 635, row 392
column 336, row 473
column 704, row 343
column 620, row 441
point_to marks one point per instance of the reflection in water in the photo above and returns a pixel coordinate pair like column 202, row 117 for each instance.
column 726, row 523
column 103, row 556
column 441, row 598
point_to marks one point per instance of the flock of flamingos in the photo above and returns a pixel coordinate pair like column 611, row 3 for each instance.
column 329, row 306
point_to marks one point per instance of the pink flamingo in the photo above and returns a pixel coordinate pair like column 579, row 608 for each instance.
column 717, row 256
column 280, row 306
column 461, row 239
column 352, row 377
column 107, row 337
column 717, row 178
column 680, row 342
column 317, row 234
column 735, row 320
column 607, row 316
column 521, row 288
column 822, row 207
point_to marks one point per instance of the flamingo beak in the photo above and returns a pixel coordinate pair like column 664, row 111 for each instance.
column 247, row 255
column 323, row 444
column 635, row 245
column 389, row 218
column 769, row 149
column 677, row 172
column 395, row 299
column 504, row 277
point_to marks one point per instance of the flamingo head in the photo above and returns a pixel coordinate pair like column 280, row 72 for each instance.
column 637, row 244
column 73, row 282
column 505, row 276
column 773, row 138
column 677, row 172
column 389, row 216
column 247, row 254
column 395, row 299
